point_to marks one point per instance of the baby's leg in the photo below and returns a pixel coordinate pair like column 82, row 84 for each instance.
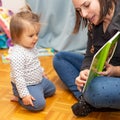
column 39, row 103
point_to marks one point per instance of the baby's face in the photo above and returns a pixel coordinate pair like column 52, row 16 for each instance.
column 29, row 36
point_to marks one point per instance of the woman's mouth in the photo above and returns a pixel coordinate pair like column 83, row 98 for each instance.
column 92, row 19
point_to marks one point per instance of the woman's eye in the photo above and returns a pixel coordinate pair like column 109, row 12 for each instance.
column 87, row 4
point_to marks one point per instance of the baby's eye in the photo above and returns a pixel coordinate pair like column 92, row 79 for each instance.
column 30, row 35
column 37, row 34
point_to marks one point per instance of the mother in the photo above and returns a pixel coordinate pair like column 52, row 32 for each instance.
column 102, row 17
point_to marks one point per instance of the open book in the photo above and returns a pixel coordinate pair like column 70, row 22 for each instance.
column 101, row 57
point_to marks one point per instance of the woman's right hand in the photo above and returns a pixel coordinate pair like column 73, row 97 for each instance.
column 81, row 79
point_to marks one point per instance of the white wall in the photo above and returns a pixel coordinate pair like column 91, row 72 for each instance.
column 13, row 5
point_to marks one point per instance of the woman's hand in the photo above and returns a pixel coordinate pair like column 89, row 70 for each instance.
column 110, row 70
column 81, row 79
column 28, row 100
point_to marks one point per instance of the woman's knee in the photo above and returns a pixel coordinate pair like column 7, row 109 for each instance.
column 58, row 55
column 98, row 91
column 93, row 92
column 57, row 59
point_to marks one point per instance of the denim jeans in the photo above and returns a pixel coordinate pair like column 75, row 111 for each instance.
column 67, row 66
column 39, row 91
column 103, row 91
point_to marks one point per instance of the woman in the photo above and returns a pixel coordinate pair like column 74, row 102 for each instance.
column 103, row 20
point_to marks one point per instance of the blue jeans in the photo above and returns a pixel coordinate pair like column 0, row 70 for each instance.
column 103, row 91
column 67, row 66
column 39, row 91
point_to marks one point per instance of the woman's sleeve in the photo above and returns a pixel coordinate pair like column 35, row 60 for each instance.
column 89, row 55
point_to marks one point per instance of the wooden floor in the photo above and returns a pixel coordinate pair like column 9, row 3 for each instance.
column 58, row 107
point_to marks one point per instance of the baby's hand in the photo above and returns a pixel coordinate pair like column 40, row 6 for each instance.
column 45, row 75
column 28, row 100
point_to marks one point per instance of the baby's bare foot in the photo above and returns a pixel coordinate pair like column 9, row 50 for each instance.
column 14, row 99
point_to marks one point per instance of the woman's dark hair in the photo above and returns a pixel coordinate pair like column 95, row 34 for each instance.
column 105, row 6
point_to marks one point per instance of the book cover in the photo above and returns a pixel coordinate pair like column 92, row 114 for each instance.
column 101, row 57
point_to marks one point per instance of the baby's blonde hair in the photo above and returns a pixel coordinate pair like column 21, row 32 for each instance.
column 18, row 20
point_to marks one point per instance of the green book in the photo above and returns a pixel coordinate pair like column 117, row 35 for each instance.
column 101, row 57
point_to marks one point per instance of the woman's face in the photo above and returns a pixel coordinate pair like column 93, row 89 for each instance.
column 89, row 9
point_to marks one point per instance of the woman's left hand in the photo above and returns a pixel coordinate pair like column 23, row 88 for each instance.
column 110, row 70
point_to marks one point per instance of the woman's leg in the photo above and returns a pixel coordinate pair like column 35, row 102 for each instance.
column 104, row 92
column 67, row 66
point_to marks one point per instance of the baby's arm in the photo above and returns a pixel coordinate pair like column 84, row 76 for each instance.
column 17, row 66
